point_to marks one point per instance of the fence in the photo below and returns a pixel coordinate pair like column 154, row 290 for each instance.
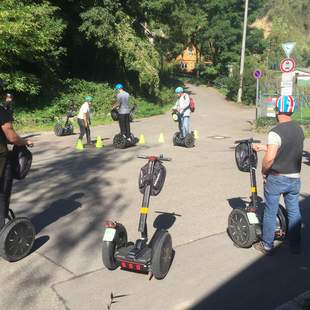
column 266, row 102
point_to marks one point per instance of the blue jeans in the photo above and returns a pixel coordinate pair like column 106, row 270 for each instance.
column 184, row 125
column 289, row 188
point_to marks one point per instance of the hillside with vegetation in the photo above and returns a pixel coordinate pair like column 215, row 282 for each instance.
column 53, row 53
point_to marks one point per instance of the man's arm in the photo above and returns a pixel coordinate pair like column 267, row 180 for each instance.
column 12, row 136
column 269, row 157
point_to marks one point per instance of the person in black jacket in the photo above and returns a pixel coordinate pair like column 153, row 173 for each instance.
column 7, row 135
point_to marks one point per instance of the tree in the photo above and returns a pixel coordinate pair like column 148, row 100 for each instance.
column 30, row 36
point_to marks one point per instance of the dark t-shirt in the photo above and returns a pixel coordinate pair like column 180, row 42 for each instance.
column 289, row 155
column 5, row 117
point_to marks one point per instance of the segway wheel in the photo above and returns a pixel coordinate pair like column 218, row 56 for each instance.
column 16, row 239
column 134, row 139
column 241, row 232
column 119, row 141
column 58, row 130
column 109, row 247
column 131, row 117
column 281, row 228
column 161, row 254
column 176, row 139
column 69, row 129
column 189, row 141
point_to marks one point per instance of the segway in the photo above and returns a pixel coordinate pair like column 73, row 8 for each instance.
column 154, row 257
column 65, row 129
column 178, row 140
column 18, row 234
column 114, row 113
column 245, row 224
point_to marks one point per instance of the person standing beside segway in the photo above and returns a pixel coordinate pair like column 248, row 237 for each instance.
column 83, row 119
column 122, row 105
column 183, row 107
column 7, row 135
column 281, row 168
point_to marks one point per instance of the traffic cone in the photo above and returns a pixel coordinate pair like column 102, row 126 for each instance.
column 161, row 138
column 141, row 139
column 79, row 145
column 196, row 134
column 99, row 143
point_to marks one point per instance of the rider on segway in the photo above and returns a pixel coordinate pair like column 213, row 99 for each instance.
column 7, row 135
column 182, row 106
column 122, row 105
column 281, row 171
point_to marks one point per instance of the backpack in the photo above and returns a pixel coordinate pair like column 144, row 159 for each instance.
column 21, row 160
column 192, row 104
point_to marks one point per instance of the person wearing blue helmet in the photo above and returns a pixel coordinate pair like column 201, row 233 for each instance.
column 281, row 168
column 83, row 119
column 123, row 107
column 182, row 105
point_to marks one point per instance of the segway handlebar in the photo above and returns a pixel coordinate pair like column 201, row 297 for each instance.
column 251, row 140
column 152, row 157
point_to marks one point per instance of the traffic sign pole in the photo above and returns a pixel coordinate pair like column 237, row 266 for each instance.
column 257, row 98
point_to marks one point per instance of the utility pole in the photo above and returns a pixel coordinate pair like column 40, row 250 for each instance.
column 245, row 25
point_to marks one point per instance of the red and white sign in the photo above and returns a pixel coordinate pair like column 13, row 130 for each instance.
column 287, row 65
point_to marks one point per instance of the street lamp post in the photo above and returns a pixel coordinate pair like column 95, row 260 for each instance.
column 245, row 24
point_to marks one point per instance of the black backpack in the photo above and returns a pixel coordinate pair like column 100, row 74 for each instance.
column 21, row 160
column 158, row 179
column 242, row 156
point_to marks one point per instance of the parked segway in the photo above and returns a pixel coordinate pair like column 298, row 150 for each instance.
column 65, row 129
column 245, row 225
column 18, row 234
column 154, row 257
column 178, row 140
column 114, row 113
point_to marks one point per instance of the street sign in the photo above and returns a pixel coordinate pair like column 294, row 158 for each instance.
column 285, row 84
column 257, row 74
column 288, row 48
column 287, row 65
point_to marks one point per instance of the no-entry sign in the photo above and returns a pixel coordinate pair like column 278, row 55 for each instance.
column 287, row 65
column 257, row 74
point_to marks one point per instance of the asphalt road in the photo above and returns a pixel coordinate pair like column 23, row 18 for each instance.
column 69, row 194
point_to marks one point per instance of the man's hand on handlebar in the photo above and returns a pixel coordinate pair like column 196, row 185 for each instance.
column 258, row 147
column 29, row 143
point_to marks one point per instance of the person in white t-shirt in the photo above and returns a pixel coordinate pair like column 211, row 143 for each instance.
column 83, row 119
column 183, row 107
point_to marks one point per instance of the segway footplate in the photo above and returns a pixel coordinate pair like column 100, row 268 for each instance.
column 133, row 259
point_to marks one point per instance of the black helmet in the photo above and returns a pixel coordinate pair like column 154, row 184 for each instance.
column 244, row 156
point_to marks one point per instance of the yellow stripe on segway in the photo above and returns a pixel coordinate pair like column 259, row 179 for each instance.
column 144, row 210
column 253, row 189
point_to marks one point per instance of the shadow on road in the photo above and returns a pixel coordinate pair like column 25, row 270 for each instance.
column 56, row 210
column 61, row 182
column 270, row 281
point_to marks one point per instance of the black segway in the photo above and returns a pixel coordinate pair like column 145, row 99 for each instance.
column 18, row 234
column 245, row 224
column 178, row 140
column 121, row 142
column 66, row 128
column 154, row 257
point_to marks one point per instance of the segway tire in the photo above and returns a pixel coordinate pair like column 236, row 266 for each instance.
column 161, row 254
column 176, row 139
column 281, row 223
column 69, row 129
column 58, row 130
column 16, row 239
column 119, row 141
column 109, row 247
column 241, row 232
column 189, row 141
